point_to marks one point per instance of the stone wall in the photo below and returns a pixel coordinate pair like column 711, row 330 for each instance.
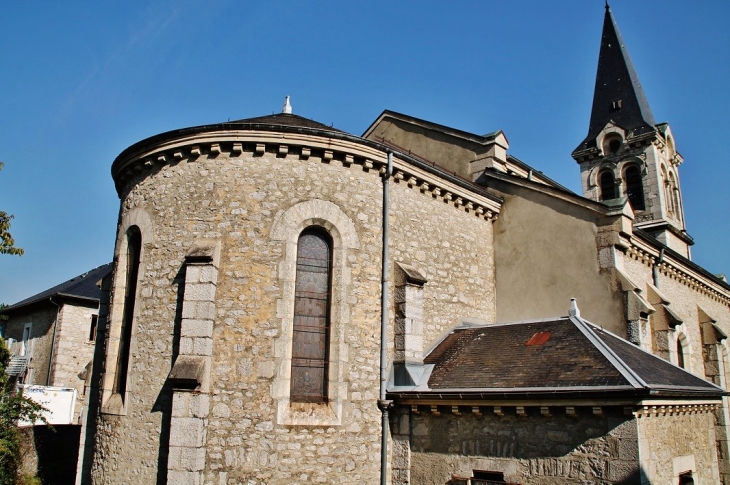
column 255, row 203
column 41, row 318
column 533, row 448
column 672, row 443
column 74, row 350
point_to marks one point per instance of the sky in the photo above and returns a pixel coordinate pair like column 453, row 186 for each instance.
column 81, row 81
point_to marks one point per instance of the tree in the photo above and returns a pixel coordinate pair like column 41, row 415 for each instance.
column 13, row 407
column 7, row 243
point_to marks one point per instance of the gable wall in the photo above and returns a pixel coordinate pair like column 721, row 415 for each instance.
column 545, row 254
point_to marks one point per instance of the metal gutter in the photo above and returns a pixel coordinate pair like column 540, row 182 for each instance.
column 383, row 403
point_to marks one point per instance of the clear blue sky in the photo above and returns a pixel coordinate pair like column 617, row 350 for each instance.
column 81, row 81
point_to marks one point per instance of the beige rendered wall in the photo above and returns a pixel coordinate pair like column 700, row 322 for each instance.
column 545, row 253
column 240, row 200
column 447, row 151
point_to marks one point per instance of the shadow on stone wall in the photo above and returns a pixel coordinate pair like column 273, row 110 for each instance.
column 163, row 403
column 557, row 448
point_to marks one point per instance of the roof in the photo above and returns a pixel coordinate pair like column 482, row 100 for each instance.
column 285, row 119
column 480, row 139
column 558, row 357
column 617, row 81
column 82, row 287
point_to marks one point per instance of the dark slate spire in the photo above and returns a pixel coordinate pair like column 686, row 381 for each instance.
column 618, row 95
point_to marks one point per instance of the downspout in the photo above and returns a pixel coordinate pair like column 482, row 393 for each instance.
column 655, row 268
column 384, row 404
column 53, row 342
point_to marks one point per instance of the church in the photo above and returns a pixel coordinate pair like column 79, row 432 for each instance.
column 291, row 303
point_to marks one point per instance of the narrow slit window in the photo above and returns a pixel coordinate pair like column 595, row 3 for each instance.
column 310, row 339
column 134, row 250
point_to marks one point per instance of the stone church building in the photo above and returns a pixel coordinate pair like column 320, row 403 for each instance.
column 295, row 304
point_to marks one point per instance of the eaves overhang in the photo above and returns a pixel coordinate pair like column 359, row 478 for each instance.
column 60, row 298
column 651, row 241
column 561, row 193
column 487, row 139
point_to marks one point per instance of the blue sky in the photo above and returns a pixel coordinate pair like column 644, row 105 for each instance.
column 81, row 81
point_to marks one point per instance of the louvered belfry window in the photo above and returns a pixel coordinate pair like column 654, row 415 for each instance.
column 310, row 346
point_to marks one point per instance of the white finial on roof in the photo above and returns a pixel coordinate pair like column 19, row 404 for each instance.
column 287, row 107
column 574, row 311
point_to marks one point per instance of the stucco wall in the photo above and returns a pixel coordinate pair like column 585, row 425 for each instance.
column 534, row 449
column 546, row 254
column 238, row 200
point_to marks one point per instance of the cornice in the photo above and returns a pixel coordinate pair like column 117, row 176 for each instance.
column 674, row 268
column 351, row 153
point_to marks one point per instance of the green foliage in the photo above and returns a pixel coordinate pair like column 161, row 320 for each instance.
column 13, row 406
column 7, row 243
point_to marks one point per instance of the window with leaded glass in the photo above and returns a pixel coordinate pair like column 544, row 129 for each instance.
column 310, row 339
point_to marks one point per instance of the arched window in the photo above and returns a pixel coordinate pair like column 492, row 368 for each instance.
column 134, row 250
column 611, row 144
column 634, row 187
column 608, row 186
column 310, row 339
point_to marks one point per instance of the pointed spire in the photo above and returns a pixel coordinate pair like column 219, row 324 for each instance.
column 287, row 107
column 618, row 95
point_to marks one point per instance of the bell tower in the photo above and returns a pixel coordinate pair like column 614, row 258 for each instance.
column 626, row 154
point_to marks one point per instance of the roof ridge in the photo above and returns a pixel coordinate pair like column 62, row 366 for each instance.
column 608, row 353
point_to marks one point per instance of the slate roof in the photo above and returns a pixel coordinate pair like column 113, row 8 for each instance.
column 286, row 119
column 82, row 287
column 558, row 357
column 616, row 79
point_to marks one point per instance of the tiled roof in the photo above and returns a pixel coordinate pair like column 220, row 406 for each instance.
column 561, row 356
column 83, row 286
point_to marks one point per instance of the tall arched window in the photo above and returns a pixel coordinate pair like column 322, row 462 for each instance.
column 134, row 250
column 607, row 185
column 310, row 339
column 634, row 187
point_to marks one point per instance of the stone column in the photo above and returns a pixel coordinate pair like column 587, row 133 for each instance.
column 190, row 375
